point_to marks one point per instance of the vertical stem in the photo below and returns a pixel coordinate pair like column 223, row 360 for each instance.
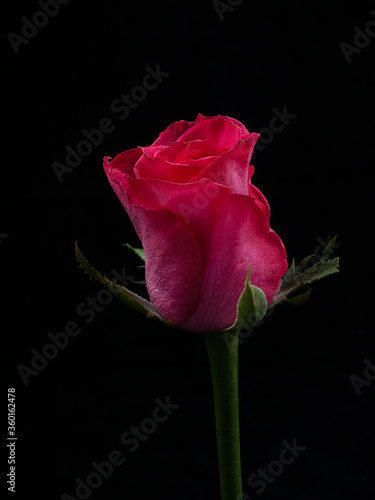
column 223, row 355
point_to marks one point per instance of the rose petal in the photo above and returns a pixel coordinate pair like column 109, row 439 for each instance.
column 158, row 168
column 195, row 153
column 240, row 237
column 244, row 132
column 260, row 199
column 124, row 162
column 172, row 133
column 179, row 162
column 205, row 148
column 173, row 265
column 232, row 168
column 151, row 151
column 218, row 130
column 173, row 262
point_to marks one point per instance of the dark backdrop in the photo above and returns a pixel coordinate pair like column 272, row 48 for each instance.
column 296, row 371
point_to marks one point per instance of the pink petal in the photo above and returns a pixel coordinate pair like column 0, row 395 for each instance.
column 179, row 162
column 158, row 168
column 151, row 151
column 244, row 132
column 205, row 147
column 240, row 237
column 124, row 162
column 173, row 263
column 218, row 130
column 260, row 199
column 172, row 133
column 232, row 168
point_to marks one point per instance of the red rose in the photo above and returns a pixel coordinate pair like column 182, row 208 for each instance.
column 201, row 221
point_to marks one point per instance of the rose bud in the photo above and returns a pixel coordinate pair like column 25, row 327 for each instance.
column 201, row 221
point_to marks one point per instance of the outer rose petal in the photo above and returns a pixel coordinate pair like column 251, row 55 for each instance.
column 173, row 263
column 245, row 133
column 260, row 199
column 196, row 204
column 240, row 237
column 124, row 162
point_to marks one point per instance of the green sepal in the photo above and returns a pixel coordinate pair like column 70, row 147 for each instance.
column 298, row 277
column 329, row 249
column 140, row 253
column 126, row 296
column 302, row 266
column 137, row 282
column 251, row 306
column 299, row 299
column 289, row 274
column 137, row 251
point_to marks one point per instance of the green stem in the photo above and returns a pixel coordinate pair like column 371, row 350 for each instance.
column 223, row 355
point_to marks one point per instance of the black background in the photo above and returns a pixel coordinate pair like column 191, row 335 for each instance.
column 294, row 370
